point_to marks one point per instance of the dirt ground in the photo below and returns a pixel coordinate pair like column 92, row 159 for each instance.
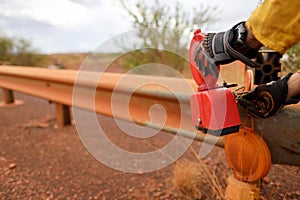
column 40, row 161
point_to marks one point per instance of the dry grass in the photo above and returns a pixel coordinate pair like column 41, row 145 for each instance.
column 196, row 180
column 186, row 178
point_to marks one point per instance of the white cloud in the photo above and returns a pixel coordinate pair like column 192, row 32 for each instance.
column 62, row 13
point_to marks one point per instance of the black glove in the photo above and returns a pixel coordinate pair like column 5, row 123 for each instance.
column 225, row 47
column 265, row 100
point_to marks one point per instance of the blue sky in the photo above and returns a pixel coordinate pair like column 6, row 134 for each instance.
column 81, row 25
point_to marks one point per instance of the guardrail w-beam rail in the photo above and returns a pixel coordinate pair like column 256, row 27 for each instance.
column 281, row 132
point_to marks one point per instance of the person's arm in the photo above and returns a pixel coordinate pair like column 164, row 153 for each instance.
column 293, row 85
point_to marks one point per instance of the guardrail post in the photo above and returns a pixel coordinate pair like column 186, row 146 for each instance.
column 63, row 116
column 9, row 99
column 8, row 96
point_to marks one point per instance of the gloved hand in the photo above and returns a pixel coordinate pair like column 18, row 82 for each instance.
column 265, row 100
column 223, row 48
column 226, row 47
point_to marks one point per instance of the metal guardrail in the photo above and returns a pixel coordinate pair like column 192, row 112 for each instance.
column 57, row 86
column 282, row 132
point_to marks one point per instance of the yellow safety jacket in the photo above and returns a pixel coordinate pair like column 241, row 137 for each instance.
column 276, row 24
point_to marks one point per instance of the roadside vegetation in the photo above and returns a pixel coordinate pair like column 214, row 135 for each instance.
column 164, row 31
column 18, row 51
column 291, row 63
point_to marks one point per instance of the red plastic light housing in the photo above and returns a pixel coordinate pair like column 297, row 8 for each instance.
column 215, row 112
column 214, row 108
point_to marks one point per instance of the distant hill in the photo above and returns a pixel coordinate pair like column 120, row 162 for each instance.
column 74, row 60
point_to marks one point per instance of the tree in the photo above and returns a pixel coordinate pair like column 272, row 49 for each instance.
column 6, row 47
column 172, row 24
column 24, row 54
column 18, row 51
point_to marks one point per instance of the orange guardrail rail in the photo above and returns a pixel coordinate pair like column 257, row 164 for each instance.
column 281, row 132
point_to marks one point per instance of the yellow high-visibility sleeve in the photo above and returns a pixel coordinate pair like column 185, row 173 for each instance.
column 276, row 24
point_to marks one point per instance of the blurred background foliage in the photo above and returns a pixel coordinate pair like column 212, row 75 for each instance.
column 164, row 30
column 291, row 61
column 18, row 51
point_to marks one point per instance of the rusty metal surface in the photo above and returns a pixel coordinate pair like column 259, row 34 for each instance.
column 58, row 85
column 280, row 132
